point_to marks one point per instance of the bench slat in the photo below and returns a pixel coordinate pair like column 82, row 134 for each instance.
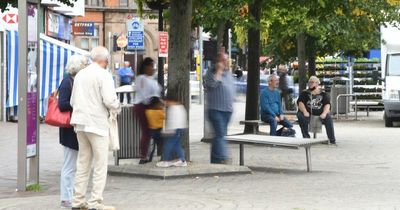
column 272, row 140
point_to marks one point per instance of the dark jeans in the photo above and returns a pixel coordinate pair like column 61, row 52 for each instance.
column 145, row 139
column 155, row 134
column 172, row 144
column 128, row 95
column 273, row 124
column 328, row 122
column 219, row 121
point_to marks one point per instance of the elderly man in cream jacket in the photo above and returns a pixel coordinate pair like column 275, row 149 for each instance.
column 93, row 99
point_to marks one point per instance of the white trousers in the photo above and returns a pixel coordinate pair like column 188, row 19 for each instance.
column 93, row 149
column 68, row 174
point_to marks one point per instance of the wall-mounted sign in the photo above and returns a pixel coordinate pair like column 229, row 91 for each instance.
column 135, row 36
column 163, row 44
column 83, row 29
column 58, row 26
column 9, row 19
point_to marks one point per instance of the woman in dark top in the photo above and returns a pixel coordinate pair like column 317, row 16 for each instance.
column 67, row 135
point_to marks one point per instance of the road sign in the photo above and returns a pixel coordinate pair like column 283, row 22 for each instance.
column 122, row 41
column 135, row 36
column 163, row 44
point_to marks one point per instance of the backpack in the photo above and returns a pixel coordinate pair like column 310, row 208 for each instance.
column 288, row 132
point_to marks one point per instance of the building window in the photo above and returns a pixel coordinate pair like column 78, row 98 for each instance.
column 123, row 3
column 90, row 42
column 97, row 3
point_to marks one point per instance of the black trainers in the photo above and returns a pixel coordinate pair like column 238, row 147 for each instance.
column 143, row 161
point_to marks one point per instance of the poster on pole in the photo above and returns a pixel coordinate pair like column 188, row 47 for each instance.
column 135, row 35
column 32, row 64
column 163, row 44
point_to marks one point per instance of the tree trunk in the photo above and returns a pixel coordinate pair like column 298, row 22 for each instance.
column 179, row 56
column 301, row 54
column 220, row 35
column 311, row 45
column 253, row 75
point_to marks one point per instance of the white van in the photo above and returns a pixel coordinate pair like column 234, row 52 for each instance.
column 390, row 54
column 391, row 90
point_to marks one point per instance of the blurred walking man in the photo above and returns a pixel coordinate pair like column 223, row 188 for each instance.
column 220, row 91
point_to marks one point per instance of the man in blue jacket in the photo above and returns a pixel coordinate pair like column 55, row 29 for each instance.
column 126, row 75
column 271, row 106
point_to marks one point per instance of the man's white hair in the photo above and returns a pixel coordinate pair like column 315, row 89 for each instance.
column 76, row 63
column 99, row 53
column 271, row 76
column 315, row 79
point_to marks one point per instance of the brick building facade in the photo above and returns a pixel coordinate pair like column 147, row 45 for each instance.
column 109, row 18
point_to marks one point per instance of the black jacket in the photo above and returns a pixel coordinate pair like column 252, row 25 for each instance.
column 67, row 135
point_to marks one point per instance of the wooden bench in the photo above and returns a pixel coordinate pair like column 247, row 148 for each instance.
column 273, row 141
column 367, row 105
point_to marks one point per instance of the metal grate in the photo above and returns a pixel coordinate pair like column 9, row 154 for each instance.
column 129, row 134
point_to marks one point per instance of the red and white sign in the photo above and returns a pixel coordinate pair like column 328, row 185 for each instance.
column 9, row 19
column 163, row 44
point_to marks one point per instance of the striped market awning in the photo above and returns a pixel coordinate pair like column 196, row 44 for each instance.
column 53, row 60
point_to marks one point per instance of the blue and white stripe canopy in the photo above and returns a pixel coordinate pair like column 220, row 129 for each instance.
column 53, row 59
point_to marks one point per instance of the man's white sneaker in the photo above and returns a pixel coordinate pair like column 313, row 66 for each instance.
column 180, row 163
column 164, row 164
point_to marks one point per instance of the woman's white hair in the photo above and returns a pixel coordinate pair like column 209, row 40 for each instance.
column 99, row 53
column 76, row 63
column 315, row 79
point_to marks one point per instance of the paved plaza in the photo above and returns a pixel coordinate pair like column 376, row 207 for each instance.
column 362, row 172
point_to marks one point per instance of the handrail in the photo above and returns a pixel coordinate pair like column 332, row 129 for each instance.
column 337, row 104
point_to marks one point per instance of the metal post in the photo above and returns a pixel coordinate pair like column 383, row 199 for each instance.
column 308, row 157
column 160, row 59
column 34, row 161
column 136, row 61
column 2, row 77
column 230, row 48
column 22, row 94
column 241, row 154
column 201, row 64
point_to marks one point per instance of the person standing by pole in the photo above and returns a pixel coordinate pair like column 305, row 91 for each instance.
column 219, row 85
column 146, row 88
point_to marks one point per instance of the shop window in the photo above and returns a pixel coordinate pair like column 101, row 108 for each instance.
column 84, row 44
column 90, row 42
column 97, row 3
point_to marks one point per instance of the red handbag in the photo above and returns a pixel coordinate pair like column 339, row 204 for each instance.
column 54, row 116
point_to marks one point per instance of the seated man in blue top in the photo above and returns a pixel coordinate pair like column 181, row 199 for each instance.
column 126, row 76
column 271, row 106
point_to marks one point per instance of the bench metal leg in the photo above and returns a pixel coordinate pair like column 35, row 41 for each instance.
column 367, row 111
column 241, row 155
column 308, row 157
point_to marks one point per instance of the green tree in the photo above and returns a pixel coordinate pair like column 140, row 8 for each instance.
column 179, row 53
column 14, row 3
column 325, row 27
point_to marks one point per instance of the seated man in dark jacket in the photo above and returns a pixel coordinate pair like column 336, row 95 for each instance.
column 316, row 103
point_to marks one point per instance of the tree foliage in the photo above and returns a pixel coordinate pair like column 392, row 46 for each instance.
column 14, row 3
column 347, row 26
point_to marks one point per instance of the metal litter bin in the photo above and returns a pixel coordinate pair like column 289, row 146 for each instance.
column 336, row 90
column 129, row 134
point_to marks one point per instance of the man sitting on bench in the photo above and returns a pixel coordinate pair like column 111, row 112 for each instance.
column 271, row 106
column 314, row 102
